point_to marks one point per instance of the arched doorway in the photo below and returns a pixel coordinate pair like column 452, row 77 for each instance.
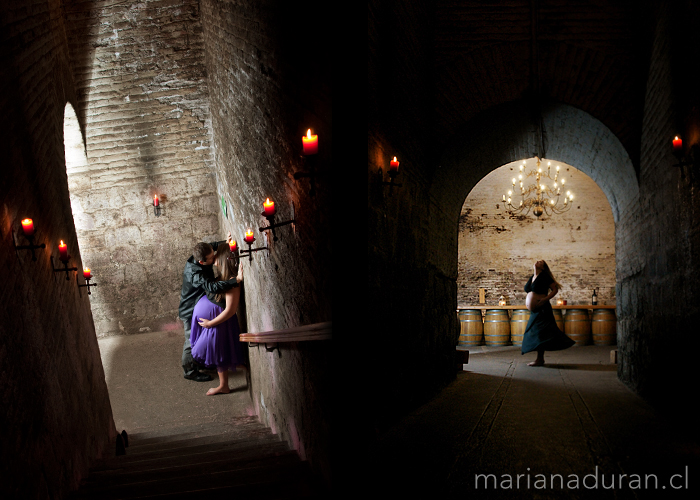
column 497, row 249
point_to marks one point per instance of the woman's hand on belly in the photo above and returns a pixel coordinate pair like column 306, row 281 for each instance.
column 534, row 301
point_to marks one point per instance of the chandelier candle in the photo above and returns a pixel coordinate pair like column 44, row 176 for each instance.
column 28, row 227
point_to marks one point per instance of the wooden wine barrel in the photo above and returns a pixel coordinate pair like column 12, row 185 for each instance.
column 496, row 327
column 518, row 323
column 604, row 327
column 559, row 318
column 472, row 327
column 577, row 326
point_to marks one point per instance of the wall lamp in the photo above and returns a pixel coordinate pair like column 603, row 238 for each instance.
column 249, row 239
column 28, row 230
column 269, row 211
column 393, row 172
column 87, row 275
column 678, row 153
column 63, row 257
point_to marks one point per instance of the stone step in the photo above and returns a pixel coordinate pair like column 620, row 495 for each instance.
column 157, row 472
column 195, row 452
column 174, row 429
column 174, row 443
column 265, row 481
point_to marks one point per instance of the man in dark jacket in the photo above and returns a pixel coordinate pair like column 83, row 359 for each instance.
column 197, row 280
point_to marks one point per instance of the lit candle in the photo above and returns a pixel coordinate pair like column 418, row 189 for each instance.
column 232, row 245
column 310, row 143
column 28, row 227
column 249, row 238
column 394, row 165
column 63, row 251
column 86, row 273
column 677, row 145
column 156, row 202
column 269, row 207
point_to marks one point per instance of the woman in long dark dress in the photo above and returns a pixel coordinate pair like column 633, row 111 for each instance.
column 542, row 333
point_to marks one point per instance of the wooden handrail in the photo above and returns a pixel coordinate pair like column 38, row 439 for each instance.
column 317, row 331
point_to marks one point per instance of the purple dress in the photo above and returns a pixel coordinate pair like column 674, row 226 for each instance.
column 218, row 346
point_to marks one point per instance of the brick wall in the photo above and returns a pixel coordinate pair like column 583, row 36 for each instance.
column 56, row 417
column 139, row 69
column 268, row 67
column 497, row 250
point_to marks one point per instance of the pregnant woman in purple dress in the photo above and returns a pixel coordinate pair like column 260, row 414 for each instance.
column 214, row 335
column 542, row 333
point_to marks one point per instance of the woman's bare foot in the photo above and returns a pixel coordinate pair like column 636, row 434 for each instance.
column 218, row 390
column 537, row 362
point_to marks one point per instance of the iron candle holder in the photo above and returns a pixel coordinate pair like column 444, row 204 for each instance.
column 87, row 284
column 250, row 250
column 31, row 245
column 681, row 159
column 311, row 161
column 65, row 269
column 271, row 223
column 391, row 183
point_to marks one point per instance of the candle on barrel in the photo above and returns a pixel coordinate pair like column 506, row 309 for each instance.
column 232, row 245
column 310, row 143
column 156, row 202
column 63, row 251
column 394, row 165
column 269, row 207
column 249, row 238
column 677, row 145
column 86, row 273
column 28, row 227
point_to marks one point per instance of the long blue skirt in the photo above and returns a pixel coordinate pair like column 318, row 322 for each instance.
column 219, row 346
column 543, row 334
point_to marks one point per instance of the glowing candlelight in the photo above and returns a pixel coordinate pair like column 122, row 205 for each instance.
column 232, row 245
column 394, row 165
column 269, row 207
column 156, row 202
column 249, row 238
column 28, row 227
column 86, row 273
column 310, row 143
column 63, row 251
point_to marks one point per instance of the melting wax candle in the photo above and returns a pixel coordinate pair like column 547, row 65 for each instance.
column 28, row 227
column 310, row 143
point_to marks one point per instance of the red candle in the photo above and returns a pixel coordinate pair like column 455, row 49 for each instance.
column 310, row 143
column 86, row 273
column 28, row 227
column 232, row 245
column 63, row 251
column 249, row 238
column 269, row 207
column 677, row 144
column 155, row 200
column 394, row 165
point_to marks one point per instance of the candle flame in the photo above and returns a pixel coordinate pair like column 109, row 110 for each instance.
column 27, row 221
column 308, row 134
column 86, row 269
column 676, row 138
column 62, row 244
column 267, row 202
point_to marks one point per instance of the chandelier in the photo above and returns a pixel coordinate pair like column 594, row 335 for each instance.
column 539, row 197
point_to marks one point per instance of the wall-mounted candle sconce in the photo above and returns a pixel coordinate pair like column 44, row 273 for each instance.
column 28, row 230
column 309, row 156
column 678, row 153
column 249, row 239
column 393, row 172
column 233, row 246
column 269, row 213
column 63, row 257
column 88, row 276
column 156, row 205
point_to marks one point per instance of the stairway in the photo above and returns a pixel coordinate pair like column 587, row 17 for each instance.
column 240, row 457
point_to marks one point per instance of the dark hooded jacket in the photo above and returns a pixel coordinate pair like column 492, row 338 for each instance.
column 197, row 281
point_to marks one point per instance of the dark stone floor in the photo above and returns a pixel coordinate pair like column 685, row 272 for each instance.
column 541, row 432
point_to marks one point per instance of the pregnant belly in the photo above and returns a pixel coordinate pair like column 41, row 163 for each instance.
column 533, row 299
